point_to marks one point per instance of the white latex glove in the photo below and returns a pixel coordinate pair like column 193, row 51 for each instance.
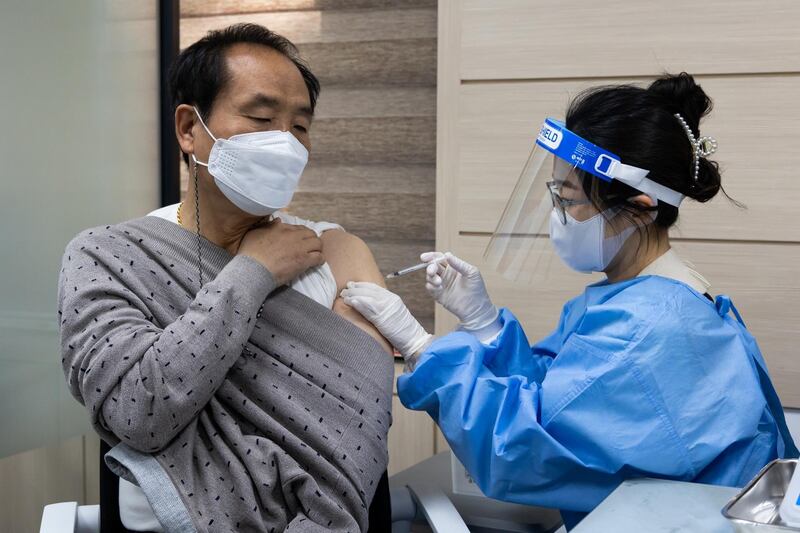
column 389, row 315
column 459, row 287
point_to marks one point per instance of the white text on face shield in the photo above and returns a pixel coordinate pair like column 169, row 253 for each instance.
column 549, row 137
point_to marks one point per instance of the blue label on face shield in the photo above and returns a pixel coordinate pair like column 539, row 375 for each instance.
column 557, row 139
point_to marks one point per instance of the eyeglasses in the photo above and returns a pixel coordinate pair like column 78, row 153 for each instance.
column 560, row 204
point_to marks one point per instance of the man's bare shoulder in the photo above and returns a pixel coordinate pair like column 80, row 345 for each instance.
column 350, row 258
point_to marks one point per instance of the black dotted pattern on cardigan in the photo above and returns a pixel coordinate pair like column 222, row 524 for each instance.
column 258, row 429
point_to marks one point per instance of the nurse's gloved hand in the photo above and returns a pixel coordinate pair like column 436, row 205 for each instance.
column 459, row 287
column 389, row 315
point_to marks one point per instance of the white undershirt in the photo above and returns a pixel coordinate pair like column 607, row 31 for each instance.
column 318, row 284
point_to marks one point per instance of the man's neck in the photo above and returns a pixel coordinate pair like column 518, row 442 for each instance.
column 221, row 222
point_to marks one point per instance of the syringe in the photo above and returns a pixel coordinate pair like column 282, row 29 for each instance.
column 411, row 269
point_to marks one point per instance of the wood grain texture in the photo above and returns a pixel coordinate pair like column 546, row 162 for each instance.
column 370, row 216
column 760, row 278
column 357, row 102
column 195, row 8
column 392, row 255
column 441, row 443
column 755, row 119
column 373, row 141
column 513, row 39
column 333, row 26
column 373, row 63
column 33, row 479
column 410, row 437
column 366, row 178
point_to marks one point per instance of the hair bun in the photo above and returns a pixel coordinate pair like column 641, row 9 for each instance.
column 709, row 181
column 683, row 95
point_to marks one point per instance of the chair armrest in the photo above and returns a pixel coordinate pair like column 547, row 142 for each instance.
column 438, row 510
column 59, row 518
column 88, row 519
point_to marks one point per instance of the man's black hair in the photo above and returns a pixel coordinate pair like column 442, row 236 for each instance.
column 199, row 72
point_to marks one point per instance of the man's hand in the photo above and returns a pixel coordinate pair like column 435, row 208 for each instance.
column 285, row 250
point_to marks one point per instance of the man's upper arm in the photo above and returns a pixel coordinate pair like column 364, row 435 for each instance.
column 350, row 259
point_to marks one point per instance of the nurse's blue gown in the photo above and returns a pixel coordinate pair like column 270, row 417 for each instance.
column 645, row 377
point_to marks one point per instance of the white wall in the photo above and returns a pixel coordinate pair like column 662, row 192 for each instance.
column 79, row 116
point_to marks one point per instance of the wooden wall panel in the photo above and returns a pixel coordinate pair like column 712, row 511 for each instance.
column 408, row 178
column 357, row 102
column 516, row 39
column 410, row 437
column 195, row 8
column 333, row 26
column 760, row 278
column 755, row 118
column 388, row 216
column 374, row 63
column 389, row 140
column 372, row 164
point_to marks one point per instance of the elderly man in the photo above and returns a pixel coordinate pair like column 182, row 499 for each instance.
column 207, row 340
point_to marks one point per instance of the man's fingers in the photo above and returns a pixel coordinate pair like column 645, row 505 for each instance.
column 306, row 244
column 317, row 258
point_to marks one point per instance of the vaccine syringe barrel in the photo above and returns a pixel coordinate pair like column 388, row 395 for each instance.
column 790, row 508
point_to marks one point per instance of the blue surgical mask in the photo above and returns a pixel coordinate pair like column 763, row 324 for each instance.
column 583, row 246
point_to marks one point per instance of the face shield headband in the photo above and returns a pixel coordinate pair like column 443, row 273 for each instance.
column 578, row 152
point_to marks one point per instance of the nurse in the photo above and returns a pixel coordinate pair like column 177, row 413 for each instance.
column 645, row 374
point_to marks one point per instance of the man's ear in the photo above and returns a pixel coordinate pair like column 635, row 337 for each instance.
column 185, row 120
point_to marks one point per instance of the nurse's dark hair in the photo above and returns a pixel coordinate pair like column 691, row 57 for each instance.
column 199, row 74
column 639, row 126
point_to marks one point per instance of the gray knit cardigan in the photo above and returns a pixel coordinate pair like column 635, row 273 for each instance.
column 236, row 407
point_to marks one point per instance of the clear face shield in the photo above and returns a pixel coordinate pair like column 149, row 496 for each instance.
column 554, row 215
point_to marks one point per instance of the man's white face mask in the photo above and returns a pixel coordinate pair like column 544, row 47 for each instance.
column 258, row 172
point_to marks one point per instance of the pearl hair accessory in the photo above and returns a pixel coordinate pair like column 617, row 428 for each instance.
column 702, row 147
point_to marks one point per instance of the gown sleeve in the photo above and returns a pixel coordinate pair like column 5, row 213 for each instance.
column 552, row 425
column 514, row 355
